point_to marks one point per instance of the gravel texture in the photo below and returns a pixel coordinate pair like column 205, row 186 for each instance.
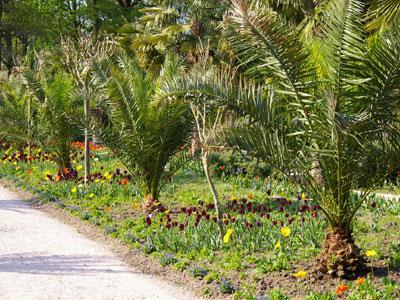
column 42, row 258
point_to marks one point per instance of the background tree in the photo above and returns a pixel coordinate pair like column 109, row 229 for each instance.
column 80, row 59
column 189, row 28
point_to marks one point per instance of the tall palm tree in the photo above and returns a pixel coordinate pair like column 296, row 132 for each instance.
column 339, row 110
column 143, row 133
column 332, row 114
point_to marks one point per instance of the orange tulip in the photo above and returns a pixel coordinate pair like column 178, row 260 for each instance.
column 341, row 289
column 360, row 281
column 124, row 181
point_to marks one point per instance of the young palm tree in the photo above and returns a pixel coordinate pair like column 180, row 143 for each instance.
column 330, row 115
column 55, row 108
column 16, row 113
column 143, row 133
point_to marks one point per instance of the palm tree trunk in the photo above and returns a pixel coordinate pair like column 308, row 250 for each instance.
column 218, row 209
column 339, row 255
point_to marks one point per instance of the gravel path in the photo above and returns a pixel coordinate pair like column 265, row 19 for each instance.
column 41, row 258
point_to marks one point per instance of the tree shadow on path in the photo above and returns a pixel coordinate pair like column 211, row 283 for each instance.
column 33, row 263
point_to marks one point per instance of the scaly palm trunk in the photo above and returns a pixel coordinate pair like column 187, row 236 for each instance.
column 339, row 255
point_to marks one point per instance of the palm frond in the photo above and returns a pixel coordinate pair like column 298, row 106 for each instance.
column 383, row 14
column 268, row 48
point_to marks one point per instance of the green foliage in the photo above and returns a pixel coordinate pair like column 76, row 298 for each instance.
column 234, row 164
column 168, row 259
column 395, row 256
column 226, row 286
column 199, row 272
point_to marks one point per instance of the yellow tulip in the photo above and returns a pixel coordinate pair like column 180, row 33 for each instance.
column 228, row 235
column 285, row 231
column 300, row 274
column 303, row 196
column 79, row 167
column 233, row 197
column 277, row 245
column 14, row 163
column 371, row 253
column 47, row 172
column 91, row 195
column 74, row 190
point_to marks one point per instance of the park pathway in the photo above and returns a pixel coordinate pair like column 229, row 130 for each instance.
column 42, row 258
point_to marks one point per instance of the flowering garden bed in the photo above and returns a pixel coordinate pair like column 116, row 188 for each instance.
column 270, row 242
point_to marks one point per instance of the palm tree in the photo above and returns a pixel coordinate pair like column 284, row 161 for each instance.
column 55, row 109
column 143, row 133
column 188, row 27
column 16, row 113
column 335, row 113
column 332, row 113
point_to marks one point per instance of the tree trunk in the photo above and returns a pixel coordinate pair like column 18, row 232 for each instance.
column 316, row 173
column 9, row 59
column 24, row 38
column 218, row 208
column 339, row 255
column 96, row 19
column 29, row 130
column 76, row 21
column 64, row 160
column 86, row 161
column 1, row 34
